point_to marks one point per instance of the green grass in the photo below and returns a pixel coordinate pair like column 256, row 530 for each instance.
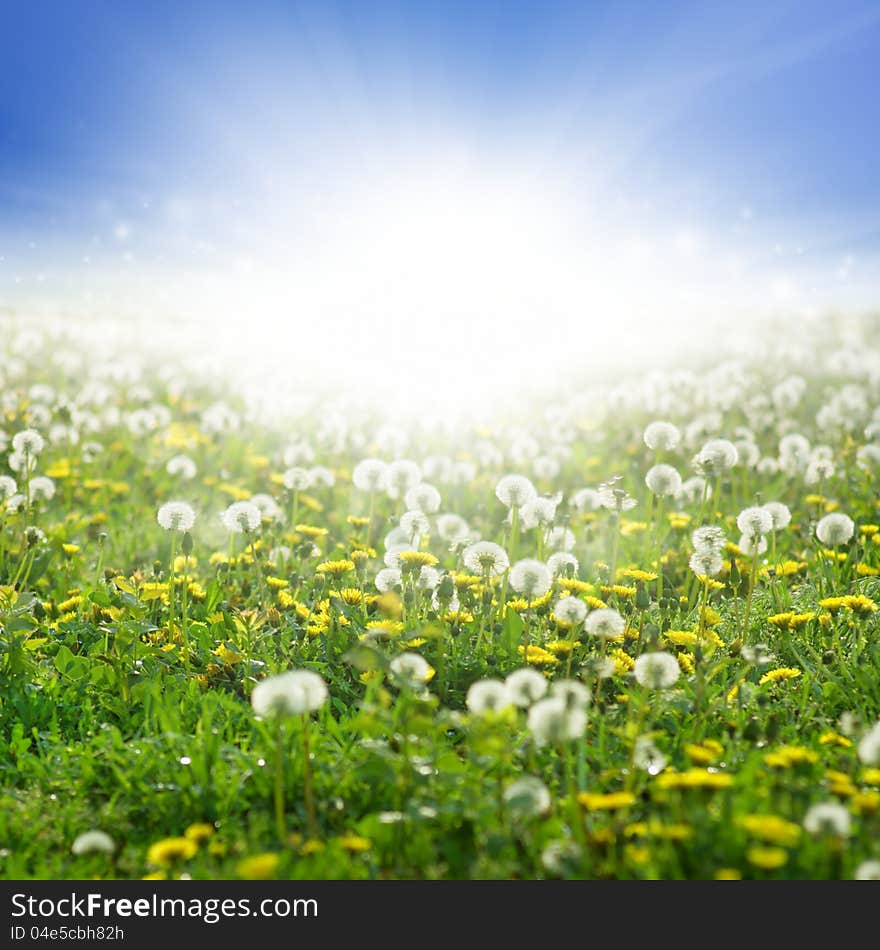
column 125, row 711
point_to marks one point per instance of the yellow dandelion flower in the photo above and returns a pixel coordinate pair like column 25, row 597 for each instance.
column 618, row 589
column 704, row 753
column 694, row 778
column 866, row 803
column 356, row 521
column 771, row 829
column 335, row 568
column 538, row 656
column 788, row 756
column 636, row 574
column 259, row 867
column 865, row 570
column 835, row 738
column 410, row 560
column 574, row 586
column 767, row 859
column 728, row 874
column 199, row 832
column 623, row 662
column 779, row 675
column 355, row 843
column 310, row 531
column 169, row 851
column 458, row 616
column 681, row 638
column 686, row 662
column 277, row 583
column 311, row 847
column 628, row 528
column 871, row 776
column 611, row 801
column 562, row 647
column 595, row 603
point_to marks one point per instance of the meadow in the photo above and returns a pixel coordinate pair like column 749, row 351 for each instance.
column 631, row 633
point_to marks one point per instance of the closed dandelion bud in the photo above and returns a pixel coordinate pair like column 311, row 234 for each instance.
column 273, row 616
column 187, row 544
column 643, row 599
column 157, row 568
column 828, row 657
column 751, row 730
column 446, row 588
column 650, row 635
column 736, row 645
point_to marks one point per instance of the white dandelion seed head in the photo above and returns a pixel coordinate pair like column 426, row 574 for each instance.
column 758, row 654
column 526, row 686
column 818, row 470
column 402, row 475
column 297, row 479
column 298, row 453
column 835, row 529
column 658, row 670
column 572, row 692
column 755, row 521
column 269, row 508
column 586, row 499
column 552, row 722
column 706, row 563
column 452, row 527
column 606, row 623
column 514, row 491
column 663, row 480
column 767, row 466
column 176, row 516
column 7, row 487
column 571, row 610
column 388, row 579
column 647, row 757
column 527, row 797
column 488, row 696
column 181, row 465
column 562, row 857
column 709, row 538
column 779, row 514
column 867, row 871
column 485, row 557
column 411, row 670
column 370, row 475
column 869, row 746
column 538, row 511
column 19, row 462
column 414, row 524
column 321, row 477
column 423, row 497
column 41, row 488
column 531, row 578
column 692, row 490
column 428, row 579
column 241, row 517
column 289, row 694
column 868, row 457
column 563, row 564
column 828, row 818
column 716, row 456
column 662, row 436
column 559, row 539
column 751, row 545
column 93, row 842
column 28, row 442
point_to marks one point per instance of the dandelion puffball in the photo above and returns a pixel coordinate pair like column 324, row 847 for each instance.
column 663, row 480
column 779, row 514
column 92, row 842
column 526, row 686
column 835, row 529
column 241, row 517
column 662, row 436
column 489, row 695
column 514, row 491
column 411, row 670
column 527, row 797
column 552, row 722
column 530, row 578
column 657, row 670
column 28, row 442
column 176, row 516
column 370, row 475
column 289, row 694
column 605, row 623
column 485, row 557
column 570, row 610
column 755, row 522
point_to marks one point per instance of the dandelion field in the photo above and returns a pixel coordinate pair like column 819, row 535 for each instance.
column 631, row 636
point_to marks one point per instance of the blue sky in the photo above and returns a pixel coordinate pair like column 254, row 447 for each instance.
column 154, row 134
